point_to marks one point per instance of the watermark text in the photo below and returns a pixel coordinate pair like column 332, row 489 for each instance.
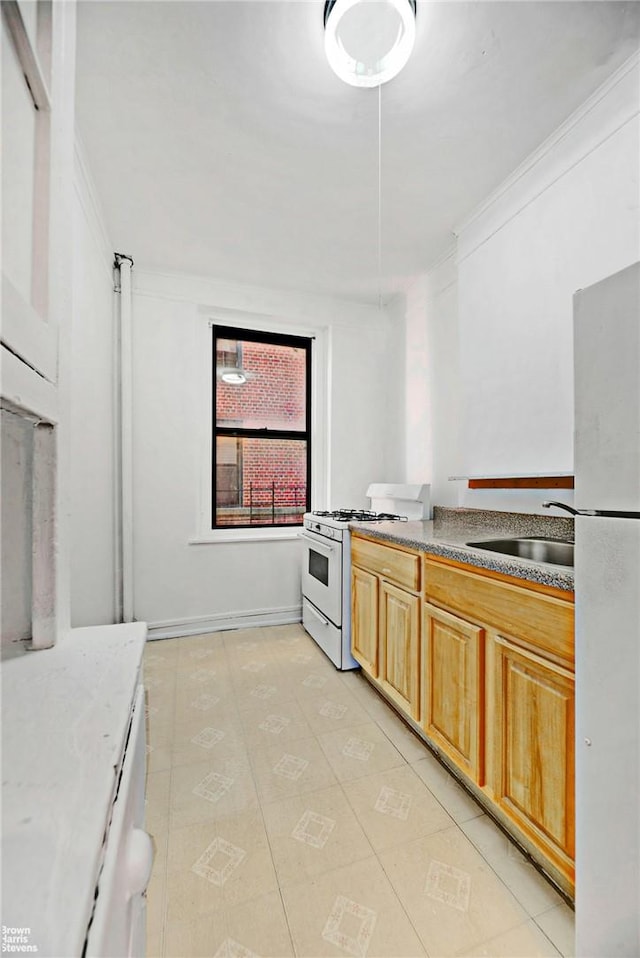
column 17, row 940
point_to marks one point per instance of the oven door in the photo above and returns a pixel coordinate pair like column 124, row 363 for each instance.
column 322, row 574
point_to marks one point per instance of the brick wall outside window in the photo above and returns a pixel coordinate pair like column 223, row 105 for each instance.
column 283, row 463
column 274, row 396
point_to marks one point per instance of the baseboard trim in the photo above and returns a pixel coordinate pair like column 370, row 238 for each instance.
column 197, row 625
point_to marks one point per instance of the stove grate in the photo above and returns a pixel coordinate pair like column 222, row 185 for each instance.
column 359, row 515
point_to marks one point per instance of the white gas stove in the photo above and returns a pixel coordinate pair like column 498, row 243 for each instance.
column 340, row 518
column 326, row 579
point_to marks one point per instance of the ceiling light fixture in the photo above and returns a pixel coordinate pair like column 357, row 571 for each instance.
column 234, row 377
column 367, row 42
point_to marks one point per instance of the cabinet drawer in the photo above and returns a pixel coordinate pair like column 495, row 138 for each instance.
column 540, row 620
column 395, row 564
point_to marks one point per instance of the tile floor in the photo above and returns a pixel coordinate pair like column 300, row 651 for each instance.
column 294, row 814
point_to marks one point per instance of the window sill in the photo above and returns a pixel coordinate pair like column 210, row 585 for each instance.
column 245, row 535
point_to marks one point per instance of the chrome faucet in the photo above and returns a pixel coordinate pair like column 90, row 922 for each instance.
column 604, row 513
column 574, row 512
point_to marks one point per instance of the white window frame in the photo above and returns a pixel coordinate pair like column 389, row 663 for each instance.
column 31, row 315
column 29, row 328
column 204, row 534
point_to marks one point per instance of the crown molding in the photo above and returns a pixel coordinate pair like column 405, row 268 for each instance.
column 210, row 294
column 541, row 169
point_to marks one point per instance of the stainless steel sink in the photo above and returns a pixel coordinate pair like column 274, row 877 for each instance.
column 538, row 549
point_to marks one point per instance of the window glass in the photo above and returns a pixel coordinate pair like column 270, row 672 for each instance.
column 261, row 448
column 260, row 385
column 260, row 481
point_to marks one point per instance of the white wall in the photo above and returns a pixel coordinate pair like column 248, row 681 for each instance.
column 432, row 394
column 500, row 361
column 92, row 415
column 182, row 586
column 565, row 224
column 366, row 438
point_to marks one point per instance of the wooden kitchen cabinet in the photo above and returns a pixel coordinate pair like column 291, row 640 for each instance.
column 453, row 688
column 481, row 664
column 389, row 562
column 385, row 625
column 531, row 725
column 399, row 643
column 498, row 699
column 364, row 619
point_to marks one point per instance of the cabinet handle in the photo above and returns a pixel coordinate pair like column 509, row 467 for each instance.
column 388, row 571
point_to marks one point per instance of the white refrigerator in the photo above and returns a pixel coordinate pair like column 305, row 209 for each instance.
column 607, row 576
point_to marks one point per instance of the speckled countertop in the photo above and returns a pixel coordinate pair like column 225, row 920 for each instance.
column 449, row 531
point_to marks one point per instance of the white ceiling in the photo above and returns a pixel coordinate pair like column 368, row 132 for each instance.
column 221, row 143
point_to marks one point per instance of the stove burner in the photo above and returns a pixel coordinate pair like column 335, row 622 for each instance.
column 360, row 515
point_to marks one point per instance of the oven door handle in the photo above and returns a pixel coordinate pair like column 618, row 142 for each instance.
column 317, row 614
column 312, row 539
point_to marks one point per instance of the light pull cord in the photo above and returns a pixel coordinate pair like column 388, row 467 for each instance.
column 380, row 197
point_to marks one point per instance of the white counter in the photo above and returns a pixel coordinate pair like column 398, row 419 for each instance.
column 65, row 716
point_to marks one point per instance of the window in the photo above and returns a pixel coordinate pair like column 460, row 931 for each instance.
column 35, row 38
column 261, row 428
column 26, row 128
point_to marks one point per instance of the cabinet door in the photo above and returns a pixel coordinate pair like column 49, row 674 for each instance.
column 453, row 697
column 399, row 647
column 364, row 619
column 532, row 765
column 118, row 926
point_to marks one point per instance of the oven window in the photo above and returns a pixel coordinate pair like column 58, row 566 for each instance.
column 319, row 567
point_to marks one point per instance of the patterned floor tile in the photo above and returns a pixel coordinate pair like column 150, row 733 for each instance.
column 291, row 769
column 349, row 911
column 218, row 864
column 332, row 710
column 454, row 799
column 359, row 751
column 451, row 895
column 395, row 807
column 313, row 833
column 524, row 881
column 558, row 924
column 211, row 790
column 525, row 941
column 273, row 778
column 270, row 723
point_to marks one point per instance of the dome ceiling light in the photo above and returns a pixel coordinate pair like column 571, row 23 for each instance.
column 233, row 376
column 367, row 42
